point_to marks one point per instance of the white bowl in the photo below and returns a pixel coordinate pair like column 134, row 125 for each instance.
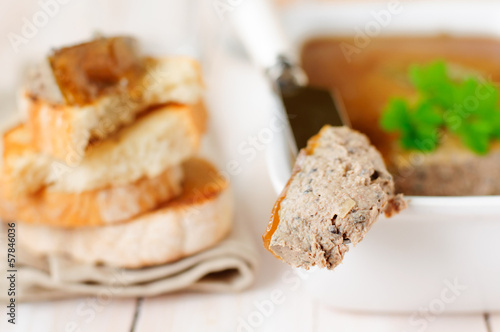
column 443, row 253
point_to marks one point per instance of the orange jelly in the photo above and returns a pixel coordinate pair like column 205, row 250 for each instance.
column 312, row 143
column 273, row 222
column 87, row 71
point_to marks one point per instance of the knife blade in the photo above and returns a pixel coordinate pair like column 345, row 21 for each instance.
column 308, row 108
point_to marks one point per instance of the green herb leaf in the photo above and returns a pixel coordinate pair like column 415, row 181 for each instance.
column 396, row 116
column 433, row 83
column 496, row 124
column 418, row 128
column 468, row 108
column 475, row 138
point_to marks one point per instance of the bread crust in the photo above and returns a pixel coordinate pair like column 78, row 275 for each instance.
column 65, row 131
column 125, row 157
column 96, row 207
column 196, row 220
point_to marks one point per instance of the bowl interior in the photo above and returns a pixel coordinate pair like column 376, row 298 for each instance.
column 307, row 20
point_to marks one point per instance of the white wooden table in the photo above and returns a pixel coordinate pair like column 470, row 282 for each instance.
column 237, row 116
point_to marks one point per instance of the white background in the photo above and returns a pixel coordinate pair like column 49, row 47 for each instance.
column 239, row 101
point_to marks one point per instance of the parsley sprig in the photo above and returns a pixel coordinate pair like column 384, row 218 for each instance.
column 468, row 108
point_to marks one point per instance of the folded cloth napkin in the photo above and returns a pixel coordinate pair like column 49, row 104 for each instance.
column 229, row 266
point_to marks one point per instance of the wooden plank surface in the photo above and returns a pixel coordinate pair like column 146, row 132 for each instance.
column 298, row 312
column 278, row 307
column 188, row 312
column 225, row 312
column 83, row 314
column 329, row 319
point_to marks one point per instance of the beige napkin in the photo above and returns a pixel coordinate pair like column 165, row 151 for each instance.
column 229, row 266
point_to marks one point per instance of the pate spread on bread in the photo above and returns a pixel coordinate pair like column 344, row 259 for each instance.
column 338, row 189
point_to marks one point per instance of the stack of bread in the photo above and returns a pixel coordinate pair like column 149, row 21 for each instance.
column 103, row 168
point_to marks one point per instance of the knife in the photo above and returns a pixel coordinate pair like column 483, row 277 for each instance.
column 307, row 108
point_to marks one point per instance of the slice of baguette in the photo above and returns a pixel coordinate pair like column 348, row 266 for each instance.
column 199, row 218
column 94, row 207
column 338, row 189
column 161, row 138
column 64, row 131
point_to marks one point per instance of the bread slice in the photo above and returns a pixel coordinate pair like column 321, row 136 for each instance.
column 161, row 138
column 338, row 189
column 63, row 128
column 199, row 218
column 94, row 207
column 456, row 169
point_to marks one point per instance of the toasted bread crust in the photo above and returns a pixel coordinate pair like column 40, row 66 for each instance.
column 22, row 171
column 64, row 131
column 174, row 129
column 95, row 207
column 199, row 218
